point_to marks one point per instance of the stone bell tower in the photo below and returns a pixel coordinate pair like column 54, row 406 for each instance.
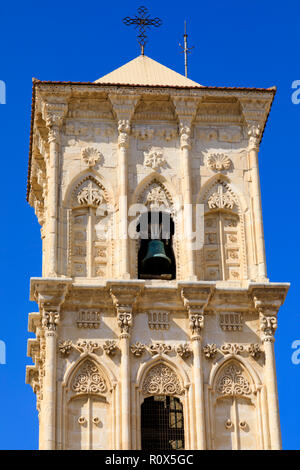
column 156, row 319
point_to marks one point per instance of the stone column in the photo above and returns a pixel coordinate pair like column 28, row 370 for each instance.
column 254, row 133
column 124, row 298
column 50, row 321
column 195, row 299
column 268, row 325
column 53, row 114
column 186, row 110
column 123, row 106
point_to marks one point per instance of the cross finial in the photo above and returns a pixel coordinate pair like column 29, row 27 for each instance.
column 142, row 22
column 185, row 49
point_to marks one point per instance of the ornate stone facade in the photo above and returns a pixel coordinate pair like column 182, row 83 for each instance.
column 106, row 339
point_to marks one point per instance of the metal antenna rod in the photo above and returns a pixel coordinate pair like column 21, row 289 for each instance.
column 186, row 50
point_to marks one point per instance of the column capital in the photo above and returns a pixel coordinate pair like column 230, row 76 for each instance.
column 54, row 114
column 195, row 299
column 186, row 108
column 254, row 134
column 50, row 321
column 123, row 133
column 124, row 298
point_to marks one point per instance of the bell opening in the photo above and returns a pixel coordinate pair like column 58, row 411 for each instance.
column 156, row 258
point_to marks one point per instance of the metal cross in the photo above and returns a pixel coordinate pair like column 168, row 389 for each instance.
column 143, row 22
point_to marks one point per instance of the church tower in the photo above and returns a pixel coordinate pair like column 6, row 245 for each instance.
column 156, row 319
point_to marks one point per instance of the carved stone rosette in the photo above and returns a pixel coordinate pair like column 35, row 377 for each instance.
column 162, row 380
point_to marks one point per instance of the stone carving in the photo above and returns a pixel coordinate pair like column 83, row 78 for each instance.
column 234, row 348
column 162, row 380
column 231, row 321
column 158, row 320
column 156, row 197
column 90, row 195
column 218, row 162
column 137, row 349
column 196, row 321
column 90, row 156
column 185, row 137
column 50, row 320
column 123, row 130
column 167, row 134
column 159, row 348
column 183, row 350
column 154, row 159
column 65, row 348
column 89, row 379
column 210, row 351
column 254, row 132
column 110, row 347
column 88, row 319
column 221, row 200
column 268, row 325
column 86, row 346
column 143, row 133
column 232, row 382
column 254, row 350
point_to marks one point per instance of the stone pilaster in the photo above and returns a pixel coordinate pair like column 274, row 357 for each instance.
column 53, row 114
column 195, row 300
column 186, row 110
column 123, row 106
column 124, row 298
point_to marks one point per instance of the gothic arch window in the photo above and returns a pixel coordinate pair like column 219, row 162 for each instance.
column 223, row 253
column 162, row 419
column 156, row 228
column 89, row 230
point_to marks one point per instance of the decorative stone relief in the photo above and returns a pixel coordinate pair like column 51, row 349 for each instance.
column 158, row 320
column 89, row 380
column 110, row 347
column 229, row 348
column 50, row 320
column 65, row 348
column 88, row 319
column 221, row 200
column 218, row 162
column 143, row 133
column 167, row 134
column 124, row 321
column 162, row 380
column 86, row 346
column 231, row 321
column 210, row 351
column 254, row 350
column 90, row 156
column 184, row 351
column 159, row 348
column 154, row 159
column 90, row 195
column 138, row 349
column 232, row 382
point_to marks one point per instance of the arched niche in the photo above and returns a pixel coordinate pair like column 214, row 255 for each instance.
column 236, row 407
column 87, row 228
column 88, row 414
column 223, row 255
column 161, row 378
column 155, row 194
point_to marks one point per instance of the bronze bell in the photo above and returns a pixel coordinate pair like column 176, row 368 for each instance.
column 156, row 261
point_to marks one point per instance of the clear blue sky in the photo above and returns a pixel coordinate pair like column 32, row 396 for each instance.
column 237, row 43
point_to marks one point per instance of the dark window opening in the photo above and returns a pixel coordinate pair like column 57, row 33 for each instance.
column 162, row 423
column 156, row 258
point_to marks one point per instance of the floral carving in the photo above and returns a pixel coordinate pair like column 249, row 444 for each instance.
column 50, row 320
column 157, row 197
column 254, row 350
column 162, row 380
column 90, row 156
column 65, row 347
column 221, row 200
column 154, row 159
column 124, row 321
column 183, row 350
column 89, row 380
column 160, row 348
column 210, row 351
column 137, row 349
column 233, row 382
column 218, row 161
column 110, row 347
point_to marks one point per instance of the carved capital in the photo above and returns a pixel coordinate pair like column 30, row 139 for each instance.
column 185, row 136
column 123, row 133
column 254, row 134
column 53, row 114
column 195, row 300
column 50, row 320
